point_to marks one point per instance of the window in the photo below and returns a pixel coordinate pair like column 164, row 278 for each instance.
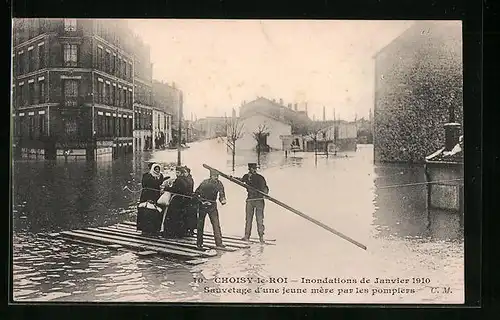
column 30, row 60
column 70, row 127
column 109, row 126
column 41, row 56
column 41, row 91
column 112, row 95
column 119, row 67
column 100, row 88
column 21, row 63
column 43, row 128
column 71, row 93
column 104, row 98
column 70, row 55
column 69, row 24
column 108, row 95
column 124, row 97
column 31, row 127
column 113, row 65
column 107, row 62
column 19, row 96
column 31, row 92
column 117, row 96
column 99, row 58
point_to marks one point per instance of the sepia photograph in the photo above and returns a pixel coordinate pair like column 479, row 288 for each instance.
column 237, row 161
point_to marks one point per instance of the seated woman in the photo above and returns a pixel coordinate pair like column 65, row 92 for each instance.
column 149, row 214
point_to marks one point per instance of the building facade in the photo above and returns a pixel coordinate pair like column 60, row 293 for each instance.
column 72, row 88
column 210, row 127
column 276, row 119
column 339, row 135
column 143, row 97
column 162, row 128
column 418, row 88
column 166, row 101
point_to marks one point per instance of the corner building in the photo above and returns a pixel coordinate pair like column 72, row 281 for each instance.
column 72, row 88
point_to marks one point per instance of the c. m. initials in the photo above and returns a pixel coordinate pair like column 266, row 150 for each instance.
column 446, row 290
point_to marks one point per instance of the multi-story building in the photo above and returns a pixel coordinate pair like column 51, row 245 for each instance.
column 418, row 88
column 162, row 128
column 143, row 97
column 166, row 101
column 72, row 87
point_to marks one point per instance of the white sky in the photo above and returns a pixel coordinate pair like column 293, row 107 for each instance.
column 220, row 63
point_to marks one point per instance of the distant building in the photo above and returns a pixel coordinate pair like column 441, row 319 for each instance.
column 276, row 119
column 166, row 100
column 143, row 98
column 418, row 88
column 210, row 127
column 72, row 87
column 339, row 134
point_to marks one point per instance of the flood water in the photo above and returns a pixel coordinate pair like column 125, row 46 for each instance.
column 347, row 192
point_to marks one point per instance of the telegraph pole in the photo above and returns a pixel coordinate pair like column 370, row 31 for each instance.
column 179, row 131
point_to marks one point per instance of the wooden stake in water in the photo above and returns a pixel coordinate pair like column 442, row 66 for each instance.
column 281, row 204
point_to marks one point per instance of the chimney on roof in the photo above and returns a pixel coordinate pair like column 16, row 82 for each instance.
column 274, row 100
column 306, row 108
column 281, row 102
column 324, row 115
column 295, row 107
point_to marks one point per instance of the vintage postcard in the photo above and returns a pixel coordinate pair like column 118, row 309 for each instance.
column 250, row 161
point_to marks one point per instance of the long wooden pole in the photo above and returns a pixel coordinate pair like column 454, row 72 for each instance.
column 281, row 204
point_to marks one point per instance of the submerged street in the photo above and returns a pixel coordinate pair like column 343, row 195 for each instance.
column 348, row 192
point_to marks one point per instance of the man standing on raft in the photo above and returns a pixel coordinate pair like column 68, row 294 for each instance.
column 207, row 194
column 255, row 201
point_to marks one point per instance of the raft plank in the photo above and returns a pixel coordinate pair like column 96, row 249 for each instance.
column 208, row 242
column 133, row 234
column 240, row 244
column 82, row 235
column 146, row 253
column 156, row 241
column 231, row 237
column 141, row 240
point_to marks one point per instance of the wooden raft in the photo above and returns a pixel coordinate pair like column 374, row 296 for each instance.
column 125, row 236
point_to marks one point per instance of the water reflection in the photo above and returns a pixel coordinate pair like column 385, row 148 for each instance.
column 402, row 211
column 55, row 195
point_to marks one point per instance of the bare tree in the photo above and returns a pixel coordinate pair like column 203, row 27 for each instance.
column 234, row 131
column 315, row 132
column 260, row 133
